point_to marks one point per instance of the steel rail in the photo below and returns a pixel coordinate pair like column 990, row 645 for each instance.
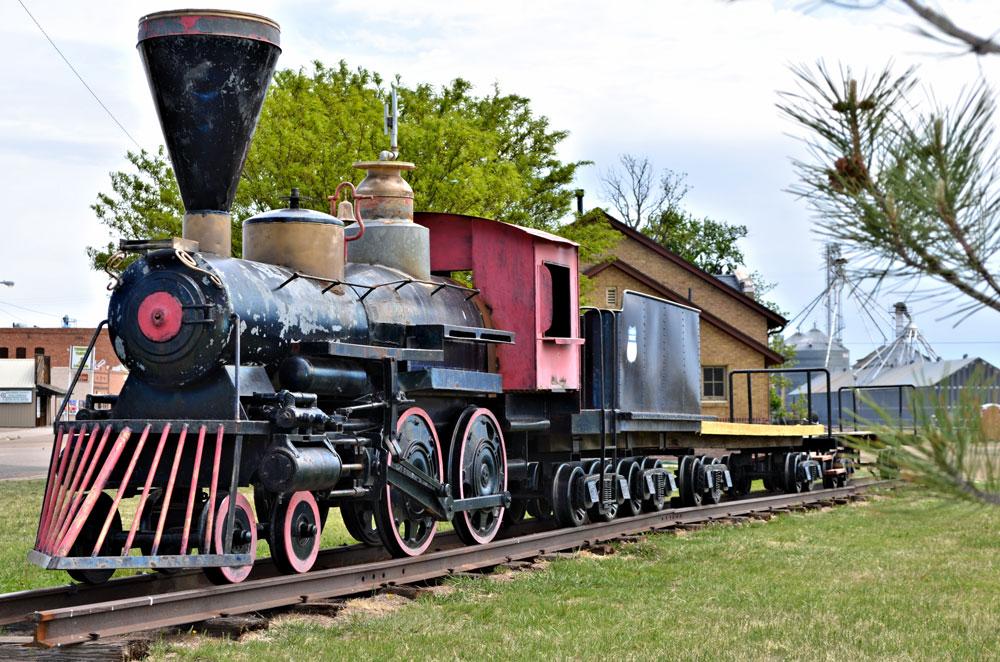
column 69, row 625
column 21, row 605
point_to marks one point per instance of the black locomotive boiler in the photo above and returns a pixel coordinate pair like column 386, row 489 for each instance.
column 338, row 364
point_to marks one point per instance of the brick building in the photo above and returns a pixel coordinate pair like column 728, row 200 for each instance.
column 734, row 327
column 52, row 347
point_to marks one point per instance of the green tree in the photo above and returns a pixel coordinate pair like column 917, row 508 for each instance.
column 482, row 155
column 704, row 242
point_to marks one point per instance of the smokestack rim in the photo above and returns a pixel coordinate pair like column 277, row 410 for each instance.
column 226, row 23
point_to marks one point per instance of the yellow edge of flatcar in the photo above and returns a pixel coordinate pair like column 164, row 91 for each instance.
column 760, row 429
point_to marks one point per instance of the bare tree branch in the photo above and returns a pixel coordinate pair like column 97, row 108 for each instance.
column 978, row 45
column 631, row 189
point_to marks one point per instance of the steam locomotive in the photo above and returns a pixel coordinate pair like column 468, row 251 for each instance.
column 342, row 363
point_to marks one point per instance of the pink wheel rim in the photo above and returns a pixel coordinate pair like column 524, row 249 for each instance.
column 300, row 565
column 238, row 573
column 482, row 411
column 420, row 413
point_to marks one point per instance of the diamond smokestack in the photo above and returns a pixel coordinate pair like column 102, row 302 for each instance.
column 208, row 71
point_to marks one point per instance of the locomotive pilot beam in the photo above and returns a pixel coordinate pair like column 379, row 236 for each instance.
column 344, row 362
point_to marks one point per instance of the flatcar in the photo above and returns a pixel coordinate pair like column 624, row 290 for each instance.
column 344, row 362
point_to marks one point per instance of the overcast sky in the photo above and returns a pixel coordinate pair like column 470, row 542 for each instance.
column 691, row 84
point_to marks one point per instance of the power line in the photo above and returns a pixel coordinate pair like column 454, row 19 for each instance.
column 30, row 310
column 77, row 74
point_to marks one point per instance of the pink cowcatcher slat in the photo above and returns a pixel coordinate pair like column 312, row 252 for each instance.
column 80, row 486
column 62, row 484
column 50, row 484
column 165, row 506
column 145, row 489
column 95, row 491
column 213, row 490
column 121, row 490
column 193, row 492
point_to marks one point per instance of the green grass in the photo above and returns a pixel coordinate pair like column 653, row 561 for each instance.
column 20, row 503
column 905, row 577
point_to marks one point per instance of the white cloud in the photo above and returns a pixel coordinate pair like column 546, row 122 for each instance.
column 691, row 84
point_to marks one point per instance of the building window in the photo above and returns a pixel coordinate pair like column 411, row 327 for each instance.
column 4, row 353
column 611, row 297
column 39, row 351
column 20, row 353
column 713, row 382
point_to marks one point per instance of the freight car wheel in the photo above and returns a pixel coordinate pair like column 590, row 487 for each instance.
column 567, row 496
column 478, row 466
column 792, row 482
column 611, row 509
column 244, row 539
column 632, row 506
column 295, row 533
column 656, row 502
column 405, row 527
column 359, row 520
column 84, row 543
column 687, row 479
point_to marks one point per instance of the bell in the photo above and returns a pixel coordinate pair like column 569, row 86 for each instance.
column 345, row 211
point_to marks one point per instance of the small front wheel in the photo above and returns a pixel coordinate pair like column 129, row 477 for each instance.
column 244, row 539
column 295, row 533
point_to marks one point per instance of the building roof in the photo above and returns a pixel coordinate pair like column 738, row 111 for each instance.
column 918, row 374
column 774, row 320
column 17, row 373
column 508, row 227
column 770, row 356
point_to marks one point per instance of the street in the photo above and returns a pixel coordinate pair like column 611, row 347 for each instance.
column 24, row 452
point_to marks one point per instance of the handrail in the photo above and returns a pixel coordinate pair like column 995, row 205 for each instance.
column 79, row 371
column 773, row 371
column 854, row 401
column 399, row 284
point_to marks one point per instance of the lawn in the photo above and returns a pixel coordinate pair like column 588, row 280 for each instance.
column 901, row 577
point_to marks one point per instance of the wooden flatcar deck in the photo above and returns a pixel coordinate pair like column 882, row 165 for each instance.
column 717, row 428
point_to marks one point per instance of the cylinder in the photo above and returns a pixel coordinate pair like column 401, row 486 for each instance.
column 212, row 230
column 327, row 377
column 284, row 470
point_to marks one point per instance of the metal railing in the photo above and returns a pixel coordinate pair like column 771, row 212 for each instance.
column 854, row 402
column 776, row 371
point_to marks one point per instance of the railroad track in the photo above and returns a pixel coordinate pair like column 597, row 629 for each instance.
column 76, row 614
